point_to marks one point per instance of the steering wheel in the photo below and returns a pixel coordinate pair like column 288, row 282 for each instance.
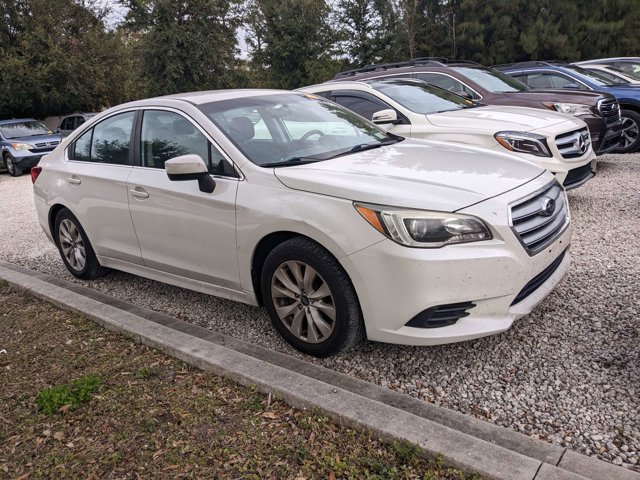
column 310, row 133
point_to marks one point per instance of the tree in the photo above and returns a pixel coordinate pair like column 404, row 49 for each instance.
column 291, row 42
column 183, row 45
column 57, row 58
column 366, row 30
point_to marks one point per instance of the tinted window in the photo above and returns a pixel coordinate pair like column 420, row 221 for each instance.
column 421, row 98
column 446, row 82
column 111, row 140
column 167, row 135
column 610, row 76
column 492, row 80
column 362, row 106
column 548, row 80
column 82, row 148
column 66, row 124
column 594, row 77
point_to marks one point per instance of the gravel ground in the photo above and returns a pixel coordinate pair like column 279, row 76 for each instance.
column 568, row 373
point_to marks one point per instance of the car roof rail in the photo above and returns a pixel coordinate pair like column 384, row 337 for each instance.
column 422, row 61
column 532, row 63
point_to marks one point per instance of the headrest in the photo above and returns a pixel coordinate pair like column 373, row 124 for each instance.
column 241, row 129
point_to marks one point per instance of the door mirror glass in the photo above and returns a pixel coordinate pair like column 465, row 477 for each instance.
column 388, row 115
column 190, row 167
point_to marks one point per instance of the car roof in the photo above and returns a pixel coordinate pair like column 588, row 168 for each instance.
column 198, row 98
column 367, row 83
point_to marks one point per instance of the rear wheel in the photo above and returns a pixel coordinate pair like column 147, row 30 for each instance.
column 10, row 165
column 74, row 246
column 630, row 132
column 310, row 298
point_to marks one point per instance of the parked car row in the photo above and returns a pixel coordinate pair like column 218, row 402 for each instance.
column 399, row 209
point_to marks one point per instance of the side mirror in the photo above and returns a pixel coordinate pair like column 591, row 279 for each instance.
column 573, row 86
column 190, row 167
column 385, row 116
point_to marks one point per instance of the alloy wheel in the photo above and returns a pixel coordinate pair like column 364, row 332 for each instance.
column 303, row 301
column 72, row 245
column 11, row 168
column 630, row 132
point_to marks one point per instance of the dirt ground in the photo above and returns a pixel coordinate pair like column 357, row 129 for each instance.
column 122, row 410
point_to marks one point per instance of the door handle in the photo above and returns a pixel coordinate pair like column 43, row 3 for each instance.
column 138, row 192
column 74, row 180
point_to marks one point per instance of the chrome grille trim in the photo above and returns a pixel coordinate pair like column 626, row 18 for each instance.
column 534, row 227
column 610, row 111
column 47, row 144
column 574, row 144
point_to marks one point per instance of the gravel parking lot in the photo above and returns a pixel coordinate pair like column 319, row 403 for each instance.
column 568, row 373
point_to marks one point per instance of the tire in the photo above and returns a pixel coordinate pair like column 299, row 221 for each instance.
column 630, row 132
column 324, row 291
column 71, row 238
column 10, row 165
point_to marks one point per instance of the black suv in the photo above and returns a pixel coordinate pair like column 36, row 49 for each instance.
column 491, row 87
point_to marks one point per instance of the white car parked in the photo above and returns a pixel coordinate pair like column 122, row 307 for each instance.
column 288, row 200
column 412, row 108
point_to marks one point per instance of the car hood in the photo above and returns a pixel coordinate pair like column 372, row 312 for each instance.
column 497, row 118
column 558, row 95
column 414, row 174
column 32, row 140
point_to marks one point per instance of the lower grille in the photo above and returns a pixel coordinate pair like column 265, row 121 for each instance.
column 578, row 176
column 538, row 280
column 440, row 316
column 610, row 111
column 539, row 219
column 573, row 144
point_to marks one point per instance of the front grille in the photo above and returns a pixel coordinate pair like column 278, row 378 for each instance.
column 573, row 144
column 47, row 144
column 538, row 280
column 610, row 111
column 578, row 176
column 440, row 316
column 539, row 219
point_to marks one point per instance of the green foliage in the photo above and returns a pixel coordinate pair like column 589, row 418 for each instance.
column 405, row 452
column 52, row 400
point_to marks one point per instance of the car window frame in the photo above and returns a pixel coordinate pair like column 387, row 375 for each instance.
column 559, row 74
column 479, row 96
column 137, row 160
column 70, row 150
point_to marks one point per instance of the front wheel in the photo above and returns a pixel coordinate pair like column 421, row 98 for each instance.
column 74, row 246
column 10, row 165
column 310, row 298
column 630, row 132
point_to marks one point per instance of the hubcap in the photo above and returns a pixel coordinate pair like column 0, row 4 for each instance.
column 72, row 245
column 10, row 166
column 630, row 132
column 303, row 301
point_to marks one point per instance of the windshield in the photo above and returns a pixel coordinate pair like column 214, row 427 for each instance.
column 492, row 80
column 421, row 98
column 593, row 77
column 293, row 127
column 30, row 128
column 630, row 70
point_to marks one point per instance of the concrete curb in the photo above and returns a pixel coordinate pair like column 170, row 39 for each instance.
column 464, row 442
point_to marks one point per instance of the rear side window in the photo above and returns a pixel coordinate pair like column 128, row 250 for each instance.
column 446, row 82
column 108, row 142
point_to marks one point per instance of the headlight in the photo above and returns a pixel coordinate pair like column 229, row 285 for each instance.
column 569, row 108
column 22, row 146
column 421, row 228
column 524, row 142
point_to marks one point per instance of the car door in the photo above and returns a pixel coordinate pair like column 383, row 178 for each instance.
column 181, row 230
column 95, row 186
column 365, row 105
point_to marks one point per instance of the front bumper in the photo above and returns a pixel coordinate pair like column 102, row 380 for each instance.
column 604, row 138
column 395, row 283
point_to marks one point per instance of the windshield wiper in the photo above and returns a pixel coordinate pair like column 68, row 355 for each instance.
column 289, row 162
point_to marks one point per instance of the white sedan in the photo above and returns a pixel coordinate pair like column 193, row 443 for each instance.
column 412, row 108
column 290, row 201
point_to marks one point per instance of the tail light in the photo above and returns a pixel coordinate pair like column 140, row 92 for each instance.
column 35, row 171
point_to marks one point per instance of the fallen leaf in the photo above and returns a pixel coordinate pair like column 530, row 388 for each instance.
column 271, row 415
column 332, row 475
column 58, row 435
column 64, row 408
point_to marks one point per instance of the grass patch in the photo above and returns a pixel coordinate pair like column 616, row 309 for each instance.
column 152, row 416
column 70, row 396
